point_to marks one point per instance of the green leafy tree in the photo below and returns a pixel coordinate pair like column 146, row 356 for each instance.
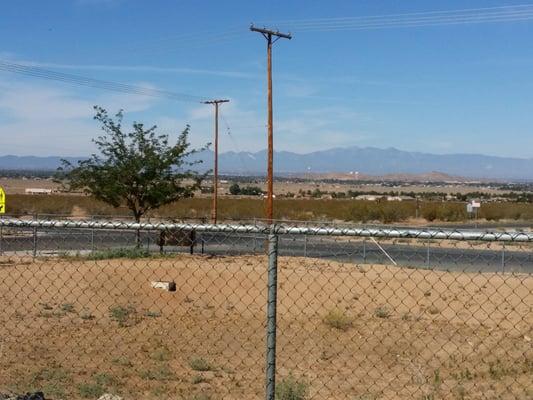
column 235, row 189
column 139, row 168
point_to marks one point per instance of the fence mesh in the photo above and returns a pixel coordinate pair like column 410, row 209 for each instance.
column 88, row 308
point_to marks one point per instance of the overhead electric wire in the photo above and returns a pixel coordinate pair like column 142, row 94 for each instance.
column 470, row 11
column 431, row 18
column 38, row 72
column 414, row 24
column 246, row 170
column 189, row 38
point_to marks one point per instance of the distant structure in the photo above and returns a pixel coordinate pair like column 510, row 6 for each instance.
column 38, row 191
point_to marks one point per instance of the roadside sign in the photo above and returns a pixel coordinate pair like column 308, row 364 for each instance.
column 2, row 201
column 476, row 204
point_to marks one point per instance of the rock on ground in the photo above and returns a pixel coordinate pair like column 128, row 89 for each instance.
column 109, row 396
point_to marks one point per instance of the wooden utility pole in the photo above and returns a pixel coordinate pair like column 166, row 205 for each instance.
column 214, row 208
column 268, row 34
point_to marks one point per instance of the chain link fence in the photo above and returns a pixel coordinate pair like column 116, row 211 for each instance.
column 199, row 311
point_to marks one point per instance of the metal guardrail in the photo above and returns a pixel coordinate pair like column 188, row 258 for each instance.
column 281, row 229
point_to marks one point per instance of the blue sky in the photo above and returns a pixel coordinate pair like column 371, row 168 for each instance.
column 444, row 89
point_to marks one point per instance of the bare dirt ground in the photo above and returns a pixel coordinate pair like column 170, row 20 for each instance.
column 76, row 328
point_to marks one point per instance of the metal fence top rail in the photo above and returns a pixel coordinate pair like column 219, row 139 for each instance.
column 282, row 228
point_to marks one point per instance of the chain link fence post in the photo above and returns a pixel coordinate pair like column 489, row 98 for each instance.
column 305, row 242
column 34, row 250
column 427, row 253
column 271, row 313
column 503, row 257
column 92, row 238
column 254, row 238
column 1, row 239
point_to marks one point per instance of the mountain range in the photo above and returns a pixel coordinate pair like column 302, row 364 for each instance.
column 363, row 160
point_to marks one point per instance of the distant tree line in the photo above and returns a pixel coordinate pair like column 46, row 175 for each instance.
column 237, row 190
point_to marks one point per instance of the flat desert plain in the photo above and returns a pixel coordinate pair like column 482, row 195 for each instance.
column 76, row 328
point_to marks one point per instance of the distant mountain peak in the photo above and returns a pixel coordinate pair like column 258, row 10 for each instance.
column 365, row 160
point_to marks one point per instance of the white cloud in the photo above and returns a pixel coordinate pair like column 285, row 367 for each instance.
column 49, row 120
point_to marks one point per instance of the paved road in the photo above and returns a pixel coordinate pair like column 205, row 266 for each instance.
column 494, row 258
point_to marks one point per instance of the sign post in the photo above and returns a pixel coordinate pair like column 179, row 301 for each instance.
column 2, row 201
column 472, row 207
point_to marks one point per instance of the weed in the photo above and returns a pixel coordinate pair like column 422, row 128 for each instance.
column 52, row 381
column 122, row 361
column 463, row 375
column 104, row 379
column 382, row 312
column 91, row 390
column 437, row 380
column 497, row 370
column 152, row 314
column 118, row 253
column 460, row 392
column 158, row 373
column 200, row 364
column 338, row 320
column 433, row 310
column 56, row 374
column 196, row 379
column 291, row 388
column 201, row 396
column 162, row 354
column 159, row 392
column 100, row 384
column 122, row 315
column 86, row 315
column 67, row 307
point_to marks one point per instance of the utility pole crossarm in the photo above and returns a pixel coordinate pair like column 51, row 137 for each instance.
column 270, row 32
column 218, row 101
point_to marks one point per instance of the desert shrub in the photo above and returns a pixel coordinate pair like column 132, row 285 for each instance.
column 285, row 208
column 451, row 212
column 118, row 253
column 429, row 211
column 338, row 320
column 123, row 315
column 382, row 312
column 200, row 364
column 291, row 388
column 492, row 212
column 359, row 212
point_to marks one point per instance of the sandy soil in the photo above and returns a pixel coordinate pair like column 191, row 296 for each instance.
column 75, row 328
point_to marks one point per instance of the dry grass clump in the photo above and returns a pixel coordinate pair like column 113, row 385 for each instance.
column 338, row 320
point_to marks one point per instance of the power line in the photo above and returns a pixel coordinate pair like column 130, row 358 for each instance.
column 413, row 24
column 237, row 148
column 42, row 73
column 414, row 14
column 173, row 44
column 464, row 16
